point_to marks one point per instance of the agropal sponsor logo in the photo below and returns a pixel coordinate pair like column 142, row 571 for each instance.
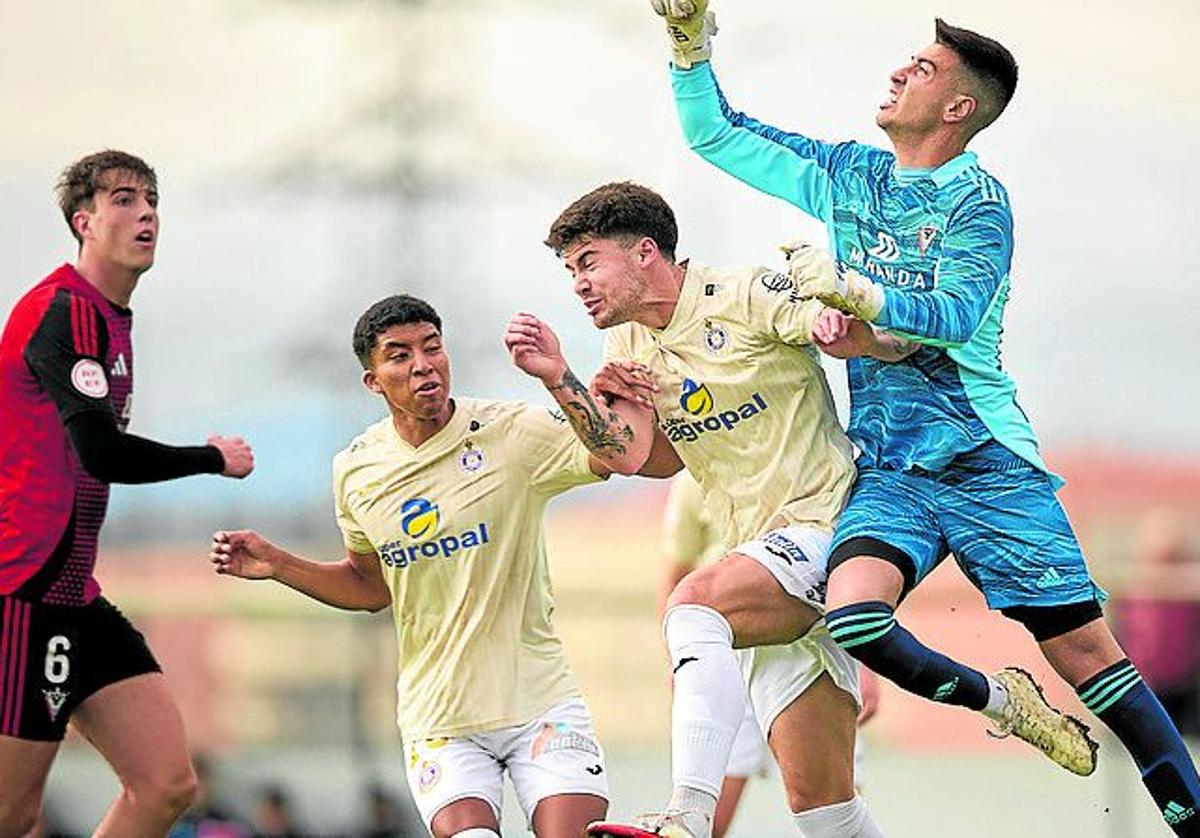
column 696, row 400
column 420, row 521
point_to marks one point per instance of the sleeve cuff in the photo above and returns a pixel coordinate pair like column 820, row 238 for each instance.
column 211, row 460
column 883, row 319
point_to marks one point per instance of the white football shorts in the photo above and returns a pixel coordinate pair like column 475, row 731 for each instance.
column 557, row 753
column 798, row 558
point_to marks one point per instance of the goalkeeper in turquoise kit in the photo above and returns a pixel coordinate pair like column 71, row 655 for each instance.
column 920, row 245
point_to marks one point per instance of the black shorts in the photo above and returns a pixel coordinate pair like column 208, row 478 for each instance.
column 53, row 657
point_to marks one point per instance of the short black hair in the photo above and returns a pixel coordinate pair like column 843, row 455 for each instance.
column 78, row 184
column 616, row 211
column 396, row 310
column 989, row 60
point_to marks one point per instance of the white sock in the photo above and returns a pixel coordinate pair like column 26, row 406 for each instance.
column 476, row 832
column 697, row 810
column 710, row 696
column 841, row 820
column 997, row 699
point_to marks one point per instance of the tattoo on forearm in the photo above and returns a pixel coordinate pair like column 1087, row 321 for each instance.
column 599, row 427
column 897, row 349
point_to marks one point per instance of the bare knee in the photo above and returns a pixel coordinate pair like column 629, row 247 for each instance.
column 696, row 588
column 462, row 815
column 803, row 796
column 172, row 792
column 864, row 579
column 179, row 792
column 824, row 784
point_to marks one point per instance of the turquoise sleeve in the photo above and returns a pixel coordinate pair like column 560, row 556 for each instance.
column 788, row 166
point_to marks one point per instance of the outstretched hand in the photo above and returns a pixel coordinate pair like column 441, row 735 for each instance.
column 242, row 553
column 690, row 27
column 679, row 9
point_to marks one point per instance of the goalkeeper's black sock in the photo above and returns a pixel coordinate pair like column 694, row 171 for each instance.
column 869, row 632
column 1121, row 699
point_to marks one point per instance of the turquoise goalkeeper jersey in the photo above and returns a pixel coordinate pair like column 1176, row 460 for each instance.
column 940, row 243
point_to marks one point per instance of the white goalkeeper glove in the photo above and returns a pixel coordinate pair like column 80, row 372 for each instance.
column 689, row 28
column 815, row 275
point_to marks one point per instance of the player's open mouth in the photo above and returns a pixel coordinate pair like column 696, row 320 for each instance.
column 145, row 237
column 429, row 388
column 592, row 306
column 892, row 97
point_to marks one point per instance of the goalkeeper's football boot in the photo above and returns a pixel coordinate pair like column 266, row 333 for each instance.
column 1029, row 716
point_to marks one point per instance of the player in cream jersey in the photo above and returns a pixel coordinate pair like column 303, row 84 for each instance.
column 457, row 526
column 744, row 402
column 440, row 506
column 717, row 367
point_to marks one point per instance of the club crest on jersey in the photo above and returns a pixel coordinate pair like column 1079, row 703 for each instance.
column 55, row 699
column 695, row 398
column 419, row 518
column 886, row 250
column 471, row 459
column 87, row 376
column 925, row 237
column 715, row 336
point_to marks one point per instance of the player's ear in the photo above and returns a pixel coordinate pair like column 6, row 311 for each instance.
column 960, row 109
column 647, row 250
column 81, row 223
column 371, row 381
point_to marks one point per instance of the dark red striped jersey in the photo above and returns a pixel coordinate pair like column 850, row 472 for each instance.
column 65, row 350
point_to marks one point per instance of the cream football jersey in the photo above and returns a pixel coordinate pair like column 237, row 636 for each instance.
column 744, row 400
column 457, row 526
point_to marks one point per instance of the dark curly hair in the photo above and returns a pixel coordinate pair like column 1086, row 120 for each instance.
column 397, row 310
column 78, row 184
column 616, row 211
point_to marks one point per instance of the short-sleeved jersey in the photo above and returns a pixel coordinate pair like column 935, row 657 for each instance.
column 457, row 526
column 688, row 535
column 65, row 350
column 744, row 401
column 940, row 244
